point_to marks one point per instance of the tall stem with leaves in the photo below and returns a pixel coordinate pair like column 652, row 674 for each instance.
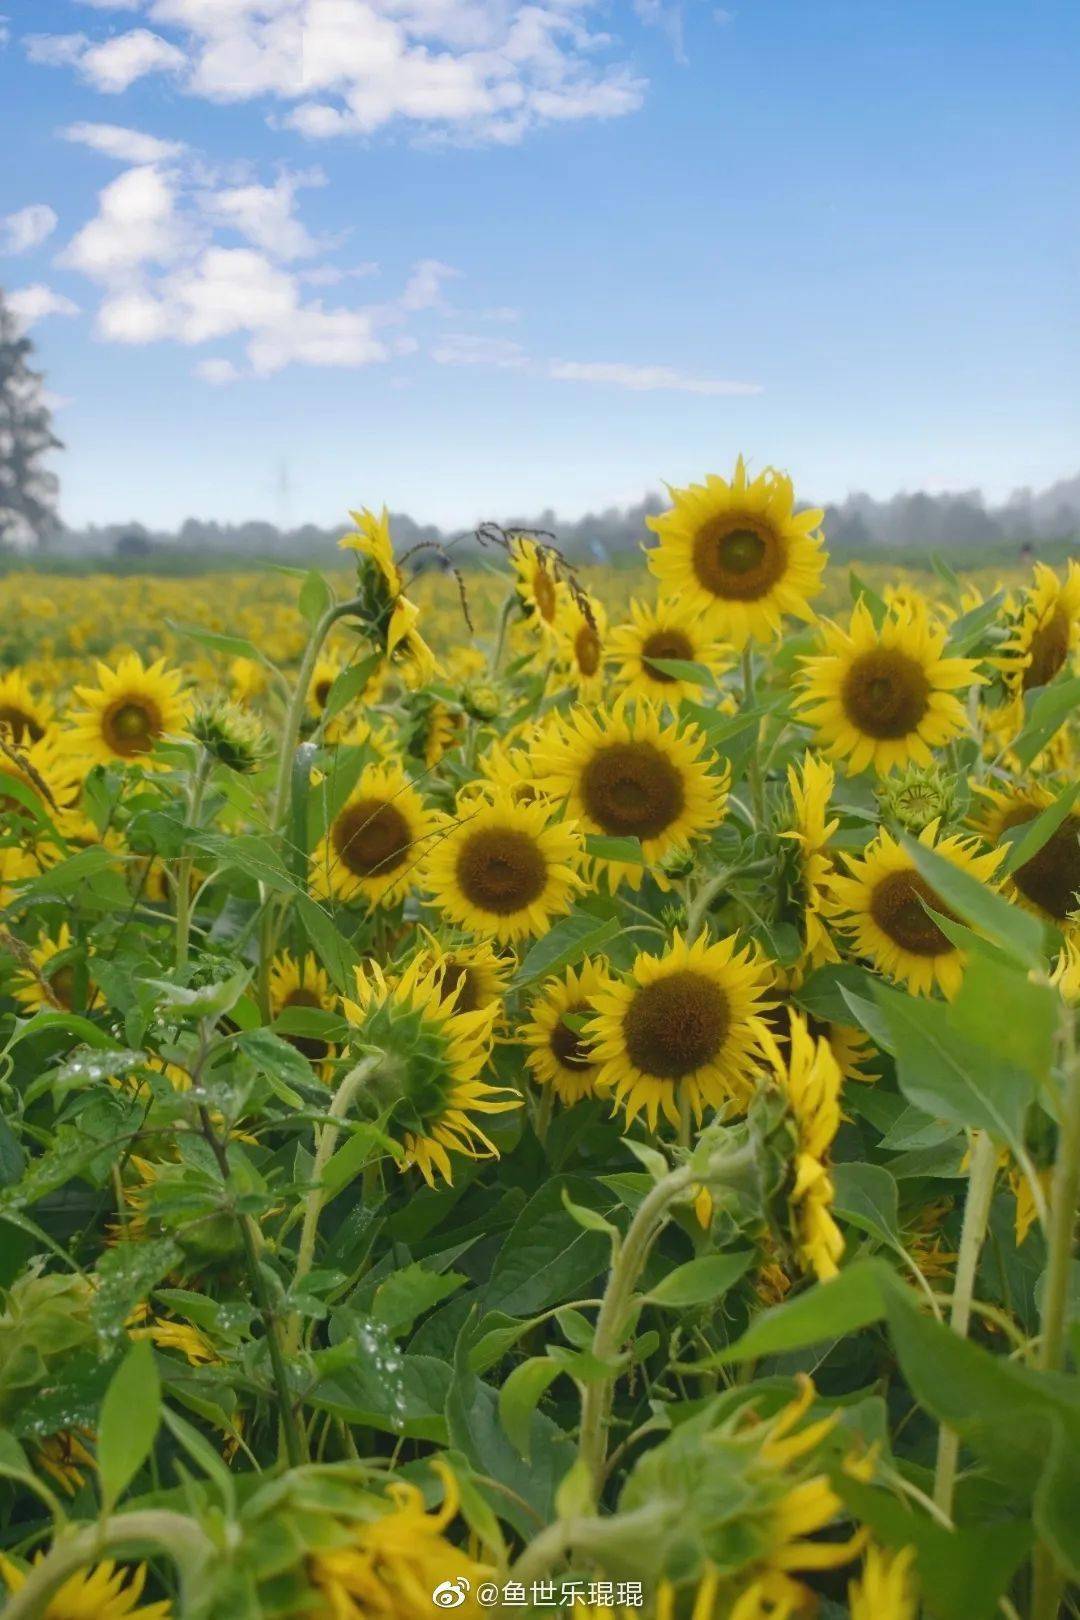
column 199, row 780
column 753, row 766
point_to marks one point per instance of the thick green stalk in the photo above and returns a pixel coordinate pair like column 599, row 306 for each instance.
column 981, row 1176
column 181, row 1538
column 753, row 765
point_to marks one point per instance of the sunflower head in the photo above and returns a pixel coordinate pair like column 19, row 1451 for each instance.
column 131, row 709
column 740, row 552
column 372, row 847
column 231, row 735
column 538, row 580
column 24, row 717
column 560, row 1054
column 388, row 616
column 656, row 637
column 919, row 795
column 105, row 1591
column 1047, row 884
column 428, row 1088
column 300, row 983
column 1045, row 630
column 471, row 975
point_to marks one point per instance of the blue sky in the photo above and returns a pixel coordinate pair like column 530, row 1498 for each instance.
column 476, row 257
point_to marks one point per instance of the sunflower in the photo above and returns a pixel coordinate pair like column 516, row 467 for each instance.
column 301, row 982
column 50, row 979
column 560, row 1056
column 810, row 1076
column 883, row 903
column 1049, row 883
column 740, row 552
column 390, row 1565
column 65, row 1457
column 811, row 787
column 626, row 774
column 886, row 1589
column 884, row 697
column 392, row 617
column 46, row 772
column 471, row 976
column 581, row 631
column 375, row 840
column 848, row 1045
column 105, row 1591
column 1046, row 630
column 667, row 632
column 436, row 1055
column 540, row 591
column 24, row 717
column 685, row 1025
column 503, row 869
column 129, row 711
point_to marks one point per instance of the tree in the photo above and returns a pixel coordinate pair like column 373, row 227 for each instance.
column 28, row 490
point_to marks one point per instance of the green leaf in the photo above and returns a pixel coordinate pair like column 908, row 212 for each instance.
column 968, row 630
column 130, row 1414
column 1016, row 932
column 1000, row 1008
column 1048, row 707
column 126, row 1274
column 860, row 590
column 315, row 597
column 407, row 1294
column 350, row 684
column 334, row 951
column 272, row 1055
column 703, row 1281
column 547, row 1257
column 590, row 1219
column 365, row 1142
column 948, row 1075
column 255, row 857
column 822, row 992
column 682, row 669
column 203, row 1000
column 99, row 1039
column 232, row 646
column 852, row 1300
column 519, row 1397
column 571, row 939
column 626, row 850
column 1026, row 840
column 866, row 1196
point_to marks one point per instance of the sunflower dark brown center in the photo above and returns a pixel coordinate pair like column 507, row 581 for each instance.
column 665, row 644
column 19, row 726
column 131, row 726
column 568, row 1047
column 885, row 693
column 309, row 1046
column 372, row 838
column 62, row 985
column 778, row 1021
column 1051, row 879
column 1049, row 649
column 676, row 1024
column 896, row 905
column 543, row 589
column 321, row 690
column 631, row 789
column 501, row 870
column 457, row 974
column 587, row 650
column 738, row 559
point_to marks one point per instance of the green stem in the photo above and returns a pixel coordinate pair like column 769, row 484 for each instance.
column 753, row 766
column 1064, row 1196
column 316, row 1196
column 505, row 615
column 183, row 877
column 980, row 1191
column 174, row 1534
column 698, row 909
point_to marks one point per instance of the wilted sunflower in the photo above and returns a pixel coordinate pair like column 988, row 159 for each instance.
column 669, row 633
column 560, row 1056
column 105, row 1591
column 503, row 869
column 435, row 1056
column 1049, row 883
column 1046, row 630
column 302, row 982
column 372, row 846
column 24, row 717
column 740, row 552
column 393, row 618
column 130, row 710
column 582, row 629
column 884, row 697
column 810, row 1076
column 881, row 902
column 682, row 1026
column 540, row 590
column 811, row 787
column 624, row 773
column 390, row 1565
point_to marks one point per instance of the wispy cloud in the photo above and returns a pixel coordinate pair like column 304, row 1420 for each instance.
column 645, row 379
column 126, row 145
column 35, row 303
column 27, row 228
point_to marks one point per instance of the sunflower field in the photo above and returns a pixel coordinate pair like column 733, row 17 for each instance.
column 533, row 1089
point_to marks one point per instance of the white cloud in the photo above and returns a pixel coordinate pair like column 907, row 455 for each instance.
column 471, row 70
column 423, row 290
column 27, row 228
column 127, row 145
column 34, row 303
column 219, row 373
column 136, row 223
column 318, row 337
column 265, row 214
column 113, row 65
column 644, row 379
column 229, row 290
column 464, row 349
column 331, row 275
